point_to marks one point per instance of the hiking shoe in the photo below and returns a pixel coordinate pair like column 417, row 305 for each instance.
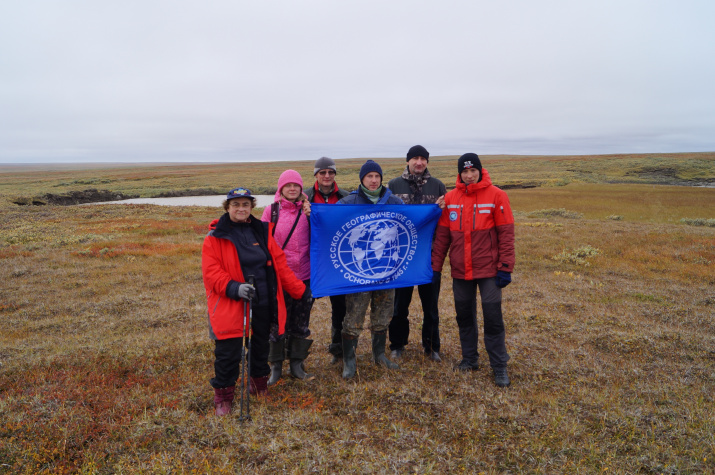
column 465, row 365
column 433, row 355
column 396, row 354
column 501, row 378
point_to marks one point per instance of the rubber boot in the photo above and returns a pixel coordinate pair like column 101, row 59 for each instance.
column 378, row 351
column 276, row 355
column 297, row 353
column 258, row 386
column 223, row 398
column 336, row 345
column 350, row 344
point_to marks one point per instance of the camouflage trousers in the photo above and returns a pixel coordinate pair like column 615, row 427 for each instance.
column 381, row 306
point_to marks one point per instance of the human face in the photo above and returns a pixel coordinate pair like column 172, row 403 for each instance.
column 417, row 165
column 239, row 209
column 469, row 176
column 325, row 178
column 291, row 191
column 372, row 181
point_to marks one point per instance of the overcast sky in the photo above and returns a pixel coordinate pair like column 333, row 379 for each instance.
column 233, row 80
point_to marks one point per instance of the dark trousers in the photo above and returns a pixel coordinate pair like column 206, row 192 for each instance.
column 297, row 317
column 337, row 302
column 227, row 362
column 465, row 304
column 400, row 324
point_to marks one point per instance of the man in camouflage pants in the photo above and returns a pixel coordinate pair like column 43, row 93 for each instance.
column 371, row 191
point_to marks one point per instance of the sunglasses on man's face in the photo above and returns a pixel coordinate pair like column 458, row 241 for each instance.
column 326, row 172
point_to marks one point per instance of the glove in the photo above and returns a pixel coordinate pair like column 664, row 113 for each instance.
column 503, row 279
column 246, row 291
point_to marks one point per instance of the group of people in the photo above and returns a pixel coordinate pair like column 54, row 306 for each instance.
column 263, row 267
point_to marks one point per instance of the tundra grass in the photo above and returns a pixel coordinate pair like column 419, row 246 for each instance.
column 105, row 357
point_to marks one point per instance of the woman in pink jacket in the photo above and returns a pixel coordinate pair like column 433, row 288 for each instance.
column 288, row 216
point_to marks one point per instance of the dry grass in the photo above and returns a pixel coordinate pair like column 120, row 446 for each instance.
column 105, row 358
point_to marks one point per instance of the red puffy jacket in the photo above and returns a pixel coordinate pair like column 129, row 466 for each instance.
column 220, row 265
column 477, row 226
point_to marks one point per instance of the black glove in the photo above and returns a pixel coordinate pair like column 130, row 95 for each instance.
column 503, row 279
column 246, row 291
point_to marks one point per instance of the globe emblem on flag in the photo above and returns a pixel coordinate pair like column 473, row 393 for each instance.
column 375, row 249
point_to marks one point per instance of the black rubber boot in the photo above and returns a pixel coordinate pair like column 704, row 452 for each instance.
column 276, row 355
column 297, row 353
column 378, row 351
column 350, row 344
column 336, row 345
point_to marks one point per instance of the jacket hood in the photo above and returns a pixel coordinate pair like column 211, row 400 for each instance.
column 288, row 176
column 483, row 182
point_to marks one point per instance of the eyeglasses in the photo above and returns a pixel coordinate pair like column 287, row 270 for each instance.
column 326, row 172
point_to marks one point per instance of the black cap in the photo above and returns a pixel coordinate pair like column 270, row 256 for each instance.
column 469, row 160
column 417, row 151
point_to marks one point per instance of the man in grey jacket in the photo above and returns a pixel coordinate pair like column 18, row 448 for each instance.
column 417, row 186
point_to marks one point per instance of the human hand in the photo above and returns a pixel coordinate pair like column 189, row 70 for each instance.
column 246, row 291
column 440, row 202
column 503, row 279
column 306, row 208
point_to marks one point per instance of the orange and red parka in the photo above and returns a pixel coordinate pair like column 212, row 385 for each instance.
column 477, row 227
column 220, row 264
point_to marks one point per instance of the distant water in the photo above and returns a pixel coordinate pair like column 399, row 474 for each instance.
column 214, row 200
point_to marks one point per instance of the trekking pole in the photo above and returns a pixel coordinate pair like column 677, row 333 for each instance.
column 244, row 386
column 246, row 357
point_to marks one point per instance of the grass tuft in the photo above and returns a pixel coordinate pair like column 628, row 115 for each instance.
column 554, row 213
column 577, row 256
column 699, row 222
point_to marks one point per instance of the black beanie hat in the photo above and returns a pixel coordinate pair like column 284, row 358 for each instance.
column 324, row 163
column 469, row 160
column 417, row 151
column 368, row 167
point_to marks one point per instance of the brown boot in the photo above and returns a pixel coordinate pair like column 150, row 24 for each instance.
column 258, row 386
column 223, row 398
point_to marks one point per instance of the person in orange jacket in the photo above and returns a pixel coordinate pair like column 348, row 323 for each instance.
column 237, row 246
column 477, row 227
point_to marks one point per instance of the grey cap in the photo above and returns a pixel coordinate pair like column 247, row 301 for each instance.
column 324, row 163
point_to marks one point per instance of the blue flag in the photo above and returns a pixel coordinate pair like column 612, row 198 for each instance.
column 356, row 248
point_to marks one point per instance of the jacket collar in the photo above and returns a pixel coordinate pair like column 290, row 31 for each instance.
column 484, row 182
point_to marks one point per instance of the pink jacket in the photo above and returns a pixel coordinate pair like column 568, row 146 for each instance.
column 297, row 251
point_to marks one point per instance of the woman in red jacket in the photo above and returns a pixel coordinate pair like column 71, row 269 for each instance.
column 477, row 227
column 237, row 247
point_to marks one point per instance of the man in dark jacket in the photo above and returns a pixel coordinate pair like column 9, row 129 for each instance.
column 417, row 186
column 371, row 191
column 326, row 190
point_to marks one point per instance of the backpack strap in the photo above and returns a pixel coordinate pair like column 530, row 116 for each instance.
column 274, row 216
column 291, row 229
